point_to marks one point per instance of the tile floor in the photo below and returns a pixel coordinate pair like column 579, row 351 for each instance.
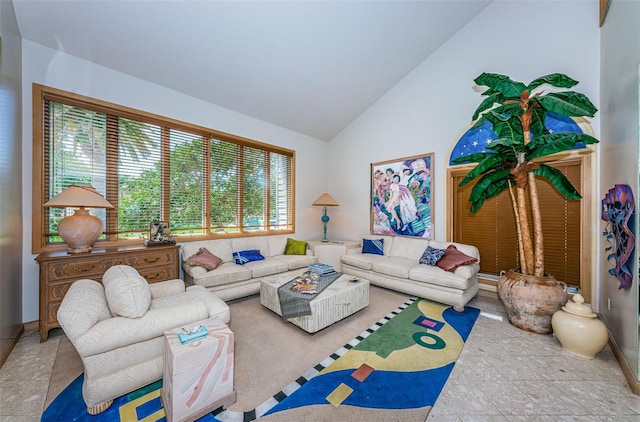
column 503, row 374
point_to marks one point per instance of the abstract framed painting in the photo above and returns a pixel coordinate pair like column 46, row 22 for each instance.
column 402, row 196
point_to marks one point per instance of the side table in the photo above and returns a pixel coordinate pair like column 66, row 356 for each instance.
column 331, row 251
column 197, row 376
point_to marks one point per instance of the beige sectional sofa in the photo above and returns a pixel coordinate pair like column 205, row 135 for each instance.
column 399, row 269
column 231, row 280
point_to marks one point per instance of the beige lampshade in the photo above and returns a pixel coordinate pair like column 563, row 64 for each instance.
column 325, row 200
column 78, row 196
column 80, row 230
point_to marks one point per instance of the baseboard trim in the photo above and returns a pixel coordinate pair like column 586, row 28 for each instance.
column 624, row 365
column 488, row 284
column 13, row 340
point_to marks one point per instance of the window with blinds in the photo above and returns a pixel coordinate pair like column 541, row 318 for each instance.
column 204, row 183
column 493, row 229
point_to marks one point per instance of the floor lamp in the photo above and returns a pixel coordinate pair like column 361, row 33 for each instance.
column 325, row 200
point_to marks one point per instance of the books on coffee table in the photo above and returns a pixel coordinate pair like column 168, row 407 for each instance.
column 322, row 269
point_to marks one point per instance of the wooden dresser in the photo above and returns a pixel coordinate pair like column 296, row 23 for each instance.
column 58, row 270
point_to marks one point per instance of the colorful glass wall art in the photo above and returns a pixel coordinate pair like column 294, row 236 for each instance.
column 617, row 209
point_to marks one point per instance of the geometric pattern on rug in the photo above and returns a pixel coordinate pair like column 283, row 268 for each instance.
column 276, row 399
column 408, row 360
column 386, row 371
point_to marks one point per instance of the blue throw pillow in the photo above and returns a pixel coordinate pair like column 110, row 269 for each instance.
column 242, row 257
column 431, row 256
column 374, row 246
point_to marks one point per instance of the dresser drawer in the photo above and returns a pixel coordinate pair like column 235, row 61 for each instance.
column 52, row 315
column 78, row 269
column 56, row 291
column 153, row 275
column 151, row 259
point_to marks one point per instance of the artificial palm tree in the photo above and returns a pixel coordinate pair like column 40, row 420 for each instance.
column 517, row 113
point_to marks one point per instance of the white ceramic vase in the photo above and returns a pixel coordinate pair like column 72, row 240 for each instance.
column 579, row 330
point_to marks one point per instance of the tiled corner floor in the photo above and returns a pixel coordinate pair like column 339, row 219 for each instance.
column 507, row 374
column 503, row 374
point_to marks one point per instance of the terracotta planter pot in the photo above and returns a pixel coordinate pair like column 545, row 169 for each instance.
column 531, row 301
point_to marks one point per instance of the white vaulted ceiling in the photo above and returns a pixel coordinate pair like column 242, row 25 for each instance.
column 309, row 66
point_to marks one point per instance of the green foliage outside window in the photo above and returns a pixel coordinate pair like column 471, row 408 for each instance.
column 247, row 184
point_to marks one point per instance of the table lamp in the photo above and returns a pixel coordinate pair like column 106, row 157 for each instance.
column 80, row 230
column 325, row 200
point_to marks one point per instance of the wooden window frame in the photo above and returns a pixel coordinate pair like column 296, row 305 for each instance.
column 586, row 207
column 41, row 94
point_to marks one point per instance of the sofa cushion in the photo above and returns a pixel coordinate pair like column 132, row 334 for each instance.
column 296, row 261
column 407, row 247
column 243, row 257
column 226, row 273
column 128, row 293
column 295, row 247
column 394, row 266
column 219, row 247
column 435, row 275
column 266, row 267
column 431, row 255
column 360, row 260
column 276, row 245
column 216, row 306
column 453, row 259
column 373, row 246
column 205, row 259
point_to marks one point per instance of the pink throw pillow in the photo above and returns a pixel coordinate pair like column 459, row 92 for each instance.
column 453, row 259
column 205, row 259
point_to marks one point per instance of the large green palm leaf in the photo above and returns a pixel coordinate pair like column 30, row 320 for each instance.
column 517, row 113
column 558, row 180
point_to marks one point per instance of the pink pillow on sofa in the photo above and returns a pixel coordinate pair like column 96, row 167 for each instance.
column 453, row 259
column 205, row 259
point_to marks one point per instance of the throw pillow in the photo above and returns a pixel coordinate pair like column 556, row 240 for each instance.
column 431, row 256
column 453, row 259
column 128, row 293
column 295, row 247
column 242, row 257
column 205, row 259
column 373, row 246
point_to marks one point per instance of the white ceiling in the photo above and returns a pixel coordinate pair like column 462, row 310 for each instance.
column 309, row 66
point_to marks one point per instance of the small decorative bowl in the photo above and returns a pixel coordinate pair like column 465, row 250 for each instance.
column 354, row 279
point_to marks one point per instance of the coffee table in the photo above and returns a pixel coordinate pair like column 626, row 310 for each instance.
column 339, row 300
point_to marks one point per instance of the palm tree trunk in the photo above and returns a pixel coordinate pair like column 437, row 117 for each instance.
column 538, row 269
column 520, row 172
column 518, row 231
column 537, row 263
column 527, row 245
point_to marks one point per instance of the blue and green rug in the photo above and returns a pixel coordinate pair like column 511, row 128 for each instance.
column 401, row 362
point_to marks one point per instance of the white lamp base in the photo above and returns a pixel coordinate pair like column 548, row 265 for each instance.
column 80, row 231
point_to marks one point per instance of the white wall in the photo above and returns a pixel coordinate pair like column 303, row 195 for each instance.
column 56, row 69
column 619, row 159
column 428, row 110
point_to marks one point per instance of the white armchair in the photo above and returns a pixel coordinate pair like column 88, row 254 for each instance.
column 117, row 328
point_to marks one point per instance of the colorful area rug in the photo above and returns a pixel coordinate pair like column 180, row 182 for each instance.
column 401, row 362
